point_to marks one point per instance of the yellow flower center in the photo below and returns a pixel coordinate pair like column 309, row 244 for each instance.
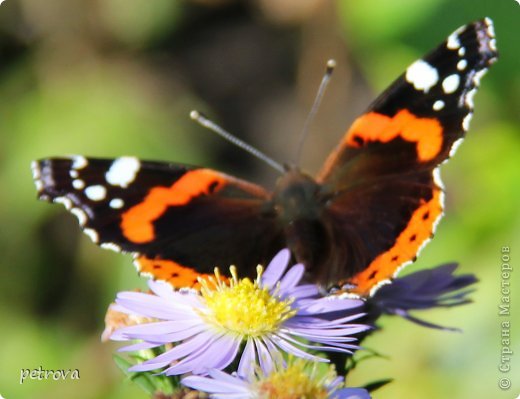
column 296, row 382
column 242, row 306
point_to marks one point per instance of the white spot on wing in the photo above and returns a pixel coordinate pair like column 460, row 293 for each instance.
column 426, row 241
column 456, row 146
column 123, row 171
column 493, row 45
column 491, row 28
column 462, row 51
column 80, row 214
column 35, row 170
column 422, row 75
column 73, row 173
column 79, row 162
column 116, row 203
column 94, row 236
column 149, row 276
column 453, row 41
column 96, row 193
column 376, row 287
column 36, row 174
column 137, row 265
column 478, row 76
column 64, row 201
column 401, row 267
column 438, row 105
column 78, row 184
column 351, row 295
column 451, row 83
column 111, row 246
column 437, row 178
column 466, row 121
column 462, row 64
column 469, row 98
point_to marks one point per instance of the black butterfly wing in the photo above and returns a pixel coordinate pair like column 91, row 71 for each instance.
column 177, row 221
column 385, row 193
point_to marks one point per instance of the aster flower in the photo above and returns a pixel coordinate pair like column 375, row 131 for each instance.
column 296, row 381
column 425, row 289
column 268, row 317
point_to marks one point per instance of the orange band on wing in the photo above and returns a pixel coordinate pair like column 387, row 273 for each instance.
column 425, row 132
column 137, row 222
column 167, row 270
column 417, row 232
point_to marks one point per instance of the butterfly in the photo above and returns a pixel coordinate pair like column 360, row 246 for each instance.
column 373, row 206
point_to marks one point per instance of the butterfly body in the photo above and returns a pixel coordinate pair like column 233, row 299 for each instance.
column 297, row 196
column 369, row 212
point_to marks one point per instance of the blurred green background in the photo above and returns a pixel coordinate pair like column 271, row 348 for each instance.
column 114, row 77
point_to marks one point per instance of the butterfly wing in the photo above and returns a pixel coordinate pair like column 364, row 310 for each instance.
column 177, row 221
column 382, row 180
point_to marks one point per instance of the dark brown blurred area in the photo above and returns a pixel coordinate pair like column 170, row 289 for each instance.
column 255, row 65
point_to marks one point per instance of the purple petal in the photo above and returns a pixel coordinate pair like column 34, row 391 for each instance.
column 217, row 384
column 303, row 291
column 425, row 289
column 223, row 376
column 162, row 289
column 118, row 308
column 265, row 356
column 159, row 327
column 174, row 336
column 291, row 279
column 276, row 268
column 351, row 393
column 336, row 334
column 197, row 343
column 335, row 383
column 221, row 351
column 189, row 363
column 329, row 346
column 287, row 347
column 248, row 359
column 220, row 355
column 314, row 322
column 140, row 346
column 153, row 306
column 329, row 304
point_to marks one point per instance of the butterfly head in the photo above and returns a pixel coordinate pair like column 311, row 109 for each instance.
column 296, row 197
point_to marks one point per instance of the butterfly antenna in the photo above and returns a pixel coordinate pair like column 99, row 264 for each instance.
column 203, row 121
column 331, row 64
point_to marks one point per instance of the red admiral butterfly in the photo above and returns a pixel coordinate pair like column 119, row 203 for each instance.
column 372, row 208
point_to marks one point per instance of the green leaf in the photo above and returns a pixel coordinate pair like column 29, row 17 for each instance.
column 144, row 380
